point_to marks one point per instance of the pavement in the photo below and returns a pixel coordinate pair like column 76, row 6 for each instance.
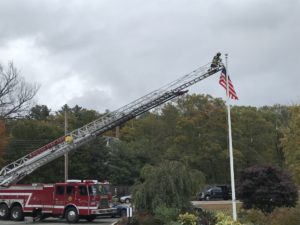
column 56, row 221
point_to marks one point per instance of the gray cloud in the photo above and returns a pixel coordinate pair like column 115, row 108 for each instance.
column 104, row 54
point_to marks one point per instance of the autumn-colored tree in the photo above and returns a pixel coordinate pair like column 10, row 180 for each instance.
column 291, row 144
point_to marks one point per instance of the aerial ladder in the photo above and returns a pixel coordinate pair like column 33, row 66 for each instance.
column 15, row 171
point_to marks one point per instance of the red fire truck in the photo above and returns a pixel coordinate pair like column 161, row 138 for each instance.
column 73, row 200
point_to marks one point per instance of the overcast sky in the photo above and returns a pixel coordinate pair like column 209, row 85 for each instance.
column 104, row 54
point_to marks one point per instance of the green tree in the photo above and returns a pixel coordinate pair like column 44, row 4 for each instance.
column 124, row 164
column 29, row 135
column 169, row 184
column 201, row 136
column 290, row 143
column 39, row 112
column 90, row 161
column 254, row 136
column 279, row 117
column 266, row 188
column 87, row 162
column 146, row 137
column 76, row 116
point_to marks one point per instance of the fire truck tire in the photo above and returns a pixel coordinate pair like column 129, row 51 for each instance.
column 16, row 213
column 4, row 211
column 71, row 215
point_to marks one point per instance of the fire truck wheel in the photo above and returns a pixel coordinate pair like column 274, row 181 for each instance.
column 16, row 213
column 4, row 211
column 71, row 215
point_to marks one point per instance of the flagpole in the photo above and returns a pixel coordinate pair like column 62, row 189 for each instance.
column 234, row 214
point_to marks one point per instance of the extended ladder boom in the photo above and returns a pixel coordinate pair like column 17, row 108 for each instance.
column 15, row 171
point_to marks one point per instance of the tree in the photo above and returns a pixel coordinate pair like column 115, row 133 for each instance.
column 90, row 161
column 200, row 138
column 39, row 112
column 124, row 164
column 28, row 135
column 3, row 141
column 265, row 188
column 15, row 94
column 279, row 116
column 76, row 116
column 169, row 184
column 290, row 143
column 254, row 136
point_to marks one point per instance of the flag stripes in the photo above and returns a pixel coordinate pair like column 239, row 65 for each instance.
column 222, row 82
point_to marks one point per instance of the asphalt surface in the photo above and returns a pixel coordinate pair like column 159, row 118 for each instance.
column 55, row 221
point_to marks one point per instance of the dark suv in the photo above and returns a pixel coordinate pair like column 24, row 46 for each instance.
column 216, row 192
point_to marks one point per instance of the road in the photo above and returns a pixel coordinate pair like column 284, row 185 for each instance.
column 55, row 221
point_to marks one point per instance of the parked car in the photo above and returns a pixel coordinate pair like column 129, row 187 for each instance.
column 125, row 199
column 216, row 192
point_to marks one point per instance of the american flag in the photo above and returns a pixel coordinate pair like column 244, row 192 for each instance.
column 222, row 82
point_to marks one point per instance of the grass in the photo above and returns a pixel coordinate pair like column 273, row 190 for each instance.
column 217, row 207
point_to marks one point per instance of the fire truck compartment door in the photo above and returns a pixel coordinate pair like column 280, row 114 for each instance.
column 59, row 199
column 83, row 200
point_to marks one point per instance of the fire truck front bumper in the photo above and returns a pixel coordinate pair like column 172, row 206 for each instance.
column 104, row 211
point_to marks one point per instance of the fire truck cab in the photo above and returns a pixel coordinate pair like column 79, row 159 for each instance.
column 72, row 200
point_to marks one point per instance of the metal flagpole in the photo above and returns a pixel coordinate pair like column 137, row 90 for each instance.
column 234, row 214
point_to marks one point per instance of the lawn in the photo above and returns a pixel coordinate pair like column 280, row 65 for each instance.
column 225, row 207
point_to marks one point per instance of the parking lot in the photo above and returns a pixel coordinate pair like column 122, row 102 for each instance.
column 55, row 221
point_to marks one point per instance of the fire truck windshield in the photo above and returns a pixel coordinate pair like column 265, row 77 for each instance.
column 104, row 188
column 94, row 190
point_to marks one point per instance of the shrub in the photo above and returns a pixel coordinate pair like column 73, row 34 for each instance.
column 265, row 188
column 207, row 218
column 253, row 216
column 223, row 219
column 187, row 219
column 165, row 214
column 144, row 218
column 280, row 216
